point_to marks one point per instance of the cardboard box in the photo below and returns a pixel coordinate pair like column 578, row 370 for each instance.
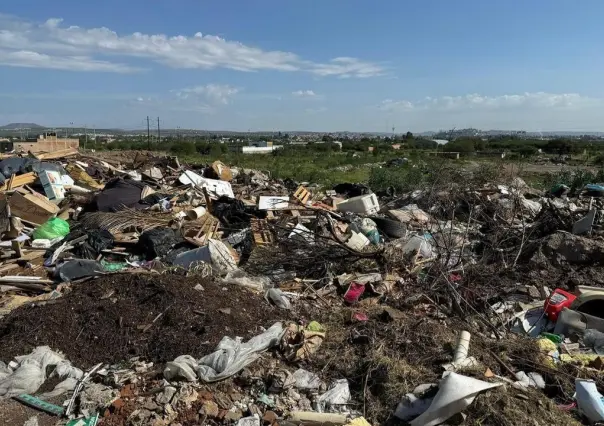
column 31, row 208
column 53, row 185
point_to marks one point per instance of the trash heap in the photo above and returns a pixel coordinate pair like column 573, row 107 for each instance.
column 135, row 290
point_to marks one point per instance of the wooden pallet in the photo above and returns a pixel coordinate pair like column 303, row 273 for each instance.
column 302, row 194
column 261, row 232
column 208, row 226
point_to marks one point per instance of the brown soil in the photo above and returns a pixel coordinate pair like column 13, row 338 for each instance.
column 156, row 317
column 13, row 413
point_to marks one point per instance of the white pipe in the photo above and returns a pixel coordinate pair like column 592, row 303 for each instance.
column 463, row 346
column 196, row 213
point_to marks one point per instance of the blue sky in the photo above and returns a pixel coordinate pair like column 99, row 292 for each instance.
column 316, row 65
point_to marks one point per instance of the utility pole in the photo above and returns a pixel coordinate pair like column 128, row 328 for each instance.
column 148, row 135
column 158, row 132
column 86, row 132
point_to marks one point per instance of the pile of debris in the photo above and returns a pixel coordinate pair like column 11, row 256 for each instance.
column 142, row 291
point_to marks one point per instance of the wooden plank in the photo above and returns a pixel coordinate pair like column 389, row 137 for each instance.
column 261, row 232
column 21, row 180
column 55, row 154
column 11, row 182
column 302, row 194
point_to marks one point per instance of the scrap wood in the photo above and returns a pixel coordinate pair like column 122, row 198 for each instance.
column 206, row 225
column 126, row 218
column 302, row 194
column 9, row 186
column 261, row 232
column 25, row 286
column 24, row 179
column 68, row 152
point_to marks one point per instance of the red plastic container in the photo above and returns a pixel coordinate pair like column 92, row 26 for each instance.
column 556, row 302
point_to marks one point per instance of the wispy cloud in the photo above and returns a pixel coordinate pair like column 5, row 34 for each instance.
column 304, row 94
column 345, row 67
column 474, row 101
column 29, row 59
column 214, row 93
column 54, row 45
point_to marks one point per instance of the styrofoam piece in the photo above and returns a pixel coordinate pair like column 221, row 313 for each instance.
column 216, row 253
column 589, row 400
column 214, row 186
column 270, row 202
column 358, row 241
column 302, row 231
column 363, row 204
column 455, row 394
column 67, row 180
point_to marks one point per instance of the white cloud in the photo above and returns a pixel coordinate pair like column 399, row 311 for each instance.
column 29, row 59
column 346, row 67
column 304, row 93
column 474, row 101
column 199, row 51
column 524, row 111
column 214, row 93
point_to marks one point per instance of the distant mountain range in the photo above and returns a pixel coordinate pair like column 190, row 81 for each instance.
column 17, row 126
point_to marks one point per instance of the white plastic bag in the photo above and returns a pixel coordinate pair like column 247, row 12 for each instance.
column 242, row 278
column 336, row 398
column 230, row 357
column 183, row 366
column 278, row 298
column 30, row 373
column 27, row 378
column 419, row 244
column 303, row 379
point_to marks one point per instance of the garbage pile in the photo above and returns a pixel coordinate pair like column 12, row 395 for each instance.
column 144, row 291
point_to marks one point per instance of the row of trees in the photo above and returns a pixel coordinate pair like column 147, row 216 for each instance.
column 525, row 147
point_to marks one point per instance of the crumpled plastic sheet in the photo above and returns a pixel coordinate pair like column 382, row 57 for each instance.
column 242, row 278
column 230, row 357
column 278, row 298
column 303, row 379
column 455, row 394
column 249, row 421
column 531, row 379
column 336, row 398
column 30, row 372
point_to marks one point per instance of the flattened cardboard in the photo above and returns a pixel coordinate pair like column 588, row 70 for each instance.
column 31, row 208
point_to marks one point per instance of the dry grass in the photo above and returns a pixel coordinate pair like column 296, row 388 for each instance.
column 383, row 360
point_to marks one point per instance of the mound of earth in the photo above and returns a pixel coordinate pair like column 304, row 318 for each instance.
column 156, row 317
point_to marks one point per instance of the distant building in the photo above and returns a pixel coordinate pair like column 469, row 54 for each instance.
column 261, row 144
column 396, row 146
column 47, row 142
column 255, row 149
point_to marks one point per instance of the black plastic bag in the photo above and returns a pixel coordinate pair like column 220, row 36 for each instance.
column 157, row 242
column 80, row 268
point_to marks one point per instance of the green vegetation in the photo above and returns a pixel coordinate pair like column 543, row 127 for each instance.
column 574, row 179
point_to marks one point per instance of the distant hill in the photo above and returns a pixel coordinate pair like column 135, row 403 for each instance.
column 15, row 126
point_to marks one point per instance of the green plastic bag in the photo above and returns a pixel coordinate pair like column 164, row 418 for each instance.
column 52, row 229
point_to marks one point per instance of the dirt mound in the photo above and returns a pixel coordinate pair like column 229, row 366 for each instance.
column 157, row 317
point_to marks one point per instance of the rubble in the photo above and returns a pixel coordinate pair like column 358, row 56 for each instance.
column 162, row 293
